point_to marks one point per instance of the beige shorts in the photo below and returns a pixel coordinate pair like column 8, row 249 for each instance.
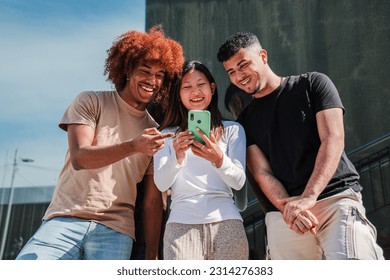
column 344, row 232
column 225, row 240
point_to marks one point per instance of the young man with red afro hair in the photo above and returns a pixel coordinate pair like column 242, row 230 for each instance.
column 112, row 138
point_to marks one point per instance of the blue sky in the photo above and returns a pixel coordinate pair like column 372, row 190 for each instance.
column 50, row 50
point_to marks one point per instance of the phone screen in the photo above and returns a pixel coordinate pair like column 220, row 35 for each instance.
column 199, row 119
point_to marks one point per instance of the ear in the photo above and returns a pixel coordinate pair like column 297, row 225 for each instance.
column 128, row 74
column 264, row 56
column 213, row 86
column 130, row 69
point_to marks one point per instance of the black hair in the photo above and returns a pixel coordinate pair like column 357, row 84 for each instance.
column 236, row 100
column 176, row 113
column 235, row 43
column 233, row 90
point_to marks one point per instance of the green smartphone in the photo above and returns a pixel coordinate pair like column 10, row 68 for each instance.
column 199, row 119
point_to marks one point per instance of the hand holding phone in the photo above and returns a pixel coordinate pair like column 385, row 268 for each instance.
column 199, row 119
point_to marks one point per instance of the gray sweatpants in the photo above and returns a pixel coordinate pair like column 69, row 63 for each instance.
column 225, row 240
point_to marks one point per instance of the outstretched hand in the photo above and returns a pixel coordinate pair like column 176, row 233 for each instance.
column 150, row 141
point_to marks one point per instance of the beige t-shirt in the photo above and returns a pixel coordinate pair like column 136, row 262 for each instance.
column 106, row 195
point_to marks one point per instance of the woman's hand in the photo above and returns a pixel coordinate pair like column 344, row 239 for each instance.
column 181, row 143
column 209, row 151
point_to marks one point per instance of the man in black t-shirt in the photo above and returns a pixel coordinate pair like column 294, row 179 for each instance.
column 295, row 152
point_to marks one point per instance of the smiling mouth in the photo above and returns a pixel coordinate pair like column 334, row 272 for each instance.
column 245, row 81
column 147, row 88
column 195, row 100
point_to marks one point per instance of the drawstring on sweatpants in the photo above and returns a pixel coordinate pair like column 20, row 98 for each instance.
column 207, row 239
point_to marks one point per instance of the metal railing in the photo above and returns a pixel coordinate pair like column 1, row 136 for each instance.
column 372, row 162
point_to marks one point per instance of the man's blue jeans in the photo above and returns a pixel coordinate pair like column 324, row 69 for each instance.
column 74, row 239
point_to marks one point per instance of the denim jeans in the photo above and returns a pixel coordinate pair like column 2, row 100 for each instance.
column 74, row 239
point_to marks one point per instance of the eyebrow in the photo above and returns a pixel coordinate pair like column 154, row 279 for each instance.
column 238, row 64
column 242, row 61
column 149, row 67
column 145, row 65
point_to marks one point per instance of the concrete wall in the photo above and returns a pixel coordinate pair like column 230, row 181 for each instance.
column 346, row 39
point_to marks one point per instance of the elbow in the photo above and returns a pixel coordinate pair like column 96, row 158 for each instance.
column 338, row 138
column 76, row 163
column 242, row 183
column 239, row 182
column 160, row 182
column 341, row 142
column 336, row 143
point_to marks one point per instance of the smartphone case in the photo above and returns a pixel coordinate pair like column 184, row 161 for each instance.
column 199, row 119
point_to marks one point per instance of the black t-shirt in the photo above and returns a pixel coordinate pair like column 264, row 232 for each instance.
column 283, row 125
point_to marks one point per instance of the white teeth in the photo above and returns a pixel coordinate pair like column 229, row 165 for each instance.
column 245, row 82
column 197, row 99
column 147, row 88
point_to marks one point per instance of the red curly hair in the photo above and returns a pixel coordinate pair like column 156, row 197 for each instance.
column 133, row 47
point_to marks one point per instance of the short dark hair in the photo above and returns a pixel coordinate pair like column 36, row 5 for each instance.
column 235, row 43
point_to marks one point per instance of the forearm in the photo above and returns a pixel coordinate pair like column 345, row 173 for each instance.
column 262, row 173
column 326, row 164
column 152, row 218
column 166, row 169
column 232, row 173
column 331, row 132
column 327, row 160
column 86, row 154
column 233, row 166
column 92, row 157
column 272, row 189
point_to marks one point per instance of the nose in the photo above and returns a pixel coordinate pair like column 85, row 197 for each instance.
column 152, row 79
column 198, row 91
column 240, row 75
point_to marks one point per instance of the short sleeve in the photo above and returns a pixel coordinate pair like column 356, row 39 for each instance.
column 83, row 110
column 324, row 94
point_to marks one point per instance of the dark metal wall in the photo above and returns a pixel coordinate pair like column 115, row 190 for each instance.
column 349, row 40
column 346, row 39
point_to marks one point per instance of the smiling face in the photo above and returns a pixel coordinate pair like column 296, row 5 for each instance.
column 144, row 81
column 196, row 91
column 248, row 70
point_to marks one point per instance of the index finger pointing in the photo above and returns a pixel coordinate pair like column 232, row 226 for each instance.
column 152, row 131
column 163, row 136
column 167, row 135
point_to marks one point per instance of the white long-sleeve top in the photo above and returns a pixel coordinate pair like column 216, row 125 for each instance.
column 200, row 192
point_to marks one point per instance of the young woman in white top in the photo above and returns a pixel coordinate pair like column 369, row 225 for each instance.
column 204, row 222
